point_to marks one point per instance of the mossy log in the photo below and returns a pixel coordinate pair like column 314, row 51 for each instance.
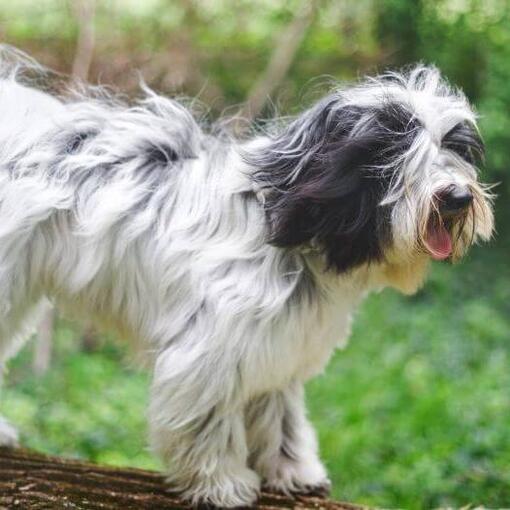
column 33, row 481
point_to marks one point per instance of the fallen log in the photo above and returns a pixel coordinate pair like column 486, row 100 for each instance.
column 30, row 480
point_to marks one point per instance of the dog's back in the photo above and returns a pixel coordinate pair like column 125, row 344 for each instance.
column 26, row 111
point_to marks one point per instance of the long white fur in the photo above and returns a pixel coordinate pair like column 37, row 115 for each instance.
column 174, row 255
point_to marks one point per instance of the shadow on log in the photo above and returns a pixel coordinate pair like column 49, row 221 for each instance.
column 33, row 481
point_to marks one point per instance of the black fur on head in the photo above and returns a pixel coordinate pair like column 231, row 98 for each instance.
column 325, row 175
column 464, row 140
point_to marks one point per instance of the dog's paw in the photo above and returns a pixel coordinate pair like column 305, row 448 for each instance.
column 321, row 489
column 224, row 490
column 299, row 477
column 8, row 434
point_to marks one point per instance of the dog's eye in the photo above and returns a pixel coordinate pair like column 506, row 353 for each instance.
column 464, row 140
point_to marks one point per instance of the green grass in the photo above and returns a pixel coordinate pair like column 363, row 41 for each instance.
column 89, row 405
column 413, row 414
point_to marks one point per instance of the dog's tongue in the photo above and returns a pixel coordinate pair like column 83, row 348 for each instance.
column 438, row 241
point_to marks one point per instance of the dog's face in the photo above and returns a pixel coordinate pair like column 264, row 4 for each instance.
column 383, row 173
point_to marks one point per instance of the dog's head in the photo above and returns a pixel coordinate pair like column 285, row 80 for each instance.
column 384, row 172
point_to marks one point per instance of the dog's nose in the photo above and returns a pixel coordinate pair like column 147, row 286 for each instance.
column 455, row 199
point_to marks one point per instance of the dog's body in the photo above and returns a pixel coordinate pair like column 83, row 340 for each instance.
column 235, row 266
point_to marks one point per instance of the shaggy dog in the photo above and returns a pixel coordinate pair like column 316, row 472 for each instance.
column 235, row 265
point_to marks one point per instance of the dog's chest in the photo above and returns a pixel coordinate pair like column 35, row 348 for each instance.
column 327, row 329
column 302, row 344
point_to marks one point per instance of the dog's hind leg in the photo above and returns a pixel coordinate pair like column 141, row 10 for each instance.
column 282, row 443
column 16, row 325
column 15, row 328
column 20, row 308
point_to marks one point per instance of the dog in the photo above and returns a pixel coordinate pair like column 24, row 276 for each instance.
column 234, row 264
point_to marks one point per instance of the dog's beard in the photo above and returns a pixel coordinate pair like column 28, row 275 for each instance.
column 447, row 236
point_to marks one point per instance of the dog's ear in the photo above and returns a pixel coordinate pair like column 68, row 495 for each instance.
column 325, row 176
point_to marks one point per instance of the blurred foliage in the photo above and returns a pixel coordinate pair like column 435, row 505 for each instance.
column 415, row 412
column 216, row 49
column 89, row 405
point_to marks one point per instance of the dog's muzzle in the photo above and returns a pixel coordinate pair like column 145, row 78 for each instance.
column 454, row 200
column 452, row 204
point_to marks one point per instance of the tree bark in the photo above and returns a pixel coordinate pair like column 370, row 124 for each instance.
column 35, row 481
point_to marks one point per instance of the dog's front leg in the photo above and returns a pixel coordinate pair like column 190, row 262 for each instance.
column 282, row 443
column 197, row 427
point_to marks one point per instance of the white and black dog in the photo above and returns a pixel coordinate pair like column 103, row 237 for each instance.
column 234, row 265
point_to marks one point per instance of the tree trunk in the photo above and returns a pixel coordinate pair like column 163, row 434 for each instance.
column 84, row 11
column 44, row 342
column 35, row 481
column 286, row 48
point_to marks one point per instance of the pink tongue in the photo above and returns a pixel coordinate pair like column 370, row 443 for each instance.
column 438, row 242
